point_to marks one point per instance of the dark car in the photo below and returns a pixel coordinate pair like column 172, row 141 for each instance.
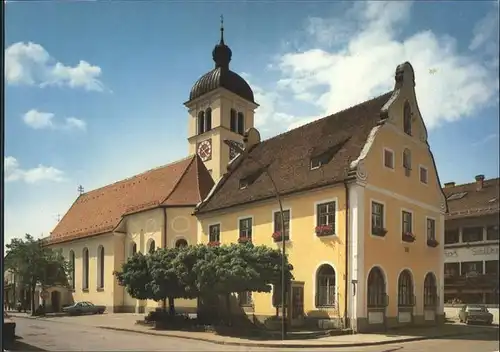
column 9, row 330
column 475, row 313
column 80, row 308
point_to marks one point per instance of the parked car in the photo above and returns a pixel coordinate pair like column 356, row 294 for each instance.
column 9, row 330
column 80, row 308
column 475, row 313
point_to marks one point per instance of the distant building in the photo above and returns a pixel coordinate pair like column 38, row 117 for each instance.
column 471, row 241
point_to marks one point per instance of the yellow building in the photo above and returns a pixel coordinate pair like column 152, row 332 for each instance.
column 357, row 188
column 363, row 214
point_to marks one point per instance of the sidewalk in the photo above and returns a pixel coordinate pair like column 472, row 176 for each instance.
column 126, row 322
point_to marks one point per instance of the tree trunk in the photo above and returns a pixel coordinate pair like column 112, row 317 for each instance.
column 171, row 306
column 164, row 305
column 228, row 308
column 32, row 294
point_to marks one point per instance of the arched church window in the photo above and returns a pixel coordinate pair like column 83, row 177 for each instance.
column 208, row 119
column 201, row 122
column 241, row 123
column 234, row 120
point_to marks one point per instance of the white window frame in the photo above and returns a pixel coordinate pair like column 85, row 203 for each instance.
column 420, row 167
column 315, row 286
column 393, row 159
column 336, row 229
column 245, row 218
column 401, row 225
column 435, row 227
column 274, row 211
column 384, row 219
column 319, row 163
column 220, row 231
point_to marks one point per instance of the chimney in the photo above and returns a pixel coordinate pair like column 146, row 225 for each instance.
column 479, row 182
column 449, row 184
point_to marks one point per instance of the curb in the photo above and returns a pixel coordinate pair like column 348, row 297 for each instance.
column 288, row 345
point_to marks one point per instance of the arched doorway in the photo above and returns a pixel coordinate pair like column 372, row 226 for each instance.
column 430, row 297
column 55, row 301
column 376, row 298
column 406, row 297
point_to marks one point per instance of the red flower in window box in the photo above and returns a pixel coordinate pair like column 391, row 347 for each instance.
column 244, row 240
column 277, row 236
column 213, row 243
column 324, row 230
column 409, row 237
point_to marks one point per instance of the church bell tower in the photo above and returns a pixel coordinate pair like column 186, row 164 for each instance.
column 221, row 106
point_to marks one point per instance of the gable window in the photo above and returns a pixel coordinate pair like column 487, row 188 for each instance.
column 407, row 118
column 241, row 123
column 245, row 229
column 472, row 234
column 431, row 229
column 214, row 233
column 378, row 219
column 286, row 223
column 388, row 158
column 208, row 119
column 407, row 222
column 423, row 174
column 407, row 161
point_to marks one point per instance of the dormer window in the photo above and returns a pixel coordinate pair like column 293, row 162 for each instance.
column 407, row 161
column 243, row 183
column 407, row 118
column 316, row 163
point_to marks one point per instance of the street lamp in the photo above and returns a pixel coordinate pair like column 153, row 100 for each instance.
column 237, row 148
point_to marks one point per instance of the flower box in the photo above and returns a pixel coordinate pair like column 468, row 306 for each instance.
column 432, row 242
column 408, row 237
column 379, row 231
column 244, row 240
column 324, row 230
column 277, row 236
column 213, row 244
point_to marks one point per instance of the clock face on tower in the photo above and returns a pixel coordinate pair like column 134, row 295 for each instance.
column 205, row 150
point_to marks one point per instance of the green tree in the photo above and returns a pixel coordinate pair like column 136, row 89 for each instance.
column 136, row 277
column 33, row 262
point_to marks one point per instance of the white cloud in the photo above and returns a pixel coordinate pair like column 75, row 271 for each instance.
column 488, row 138
column 30, row 64
column 45, row 120
column 14, row 172
column 339, row 71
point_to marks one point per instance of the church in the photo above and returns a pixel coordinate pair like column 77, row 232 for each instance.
column 359, row 190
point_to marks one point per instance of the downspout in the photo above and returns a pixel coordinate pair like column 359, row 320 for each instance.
column 347, row 210
column 164, row 301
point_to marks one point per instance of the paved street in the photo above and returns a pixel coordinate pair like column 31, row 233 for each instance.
column 51, row 335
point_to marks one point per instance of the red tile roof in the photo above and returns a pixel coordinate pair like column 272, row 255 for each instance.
column 473, row 202
column 182, row 183
column 340, row 137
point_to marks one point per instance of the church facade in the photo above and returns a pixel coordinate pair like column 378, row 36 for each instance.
column 363, row 210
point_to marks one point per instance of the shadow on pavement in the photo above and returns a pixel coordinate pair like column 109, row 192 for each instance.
column 450, row 331
column 19, row 345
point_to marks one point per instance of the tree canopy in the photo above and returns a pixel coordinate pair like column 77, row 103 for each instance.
column 197, row 271
column 34, row 263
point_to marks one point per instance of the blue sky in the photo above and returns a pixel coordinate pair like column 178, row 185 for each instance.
column 95, row 89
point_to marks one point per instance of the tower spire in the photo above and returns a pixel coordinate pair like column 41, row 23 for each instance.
column 221, row 29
